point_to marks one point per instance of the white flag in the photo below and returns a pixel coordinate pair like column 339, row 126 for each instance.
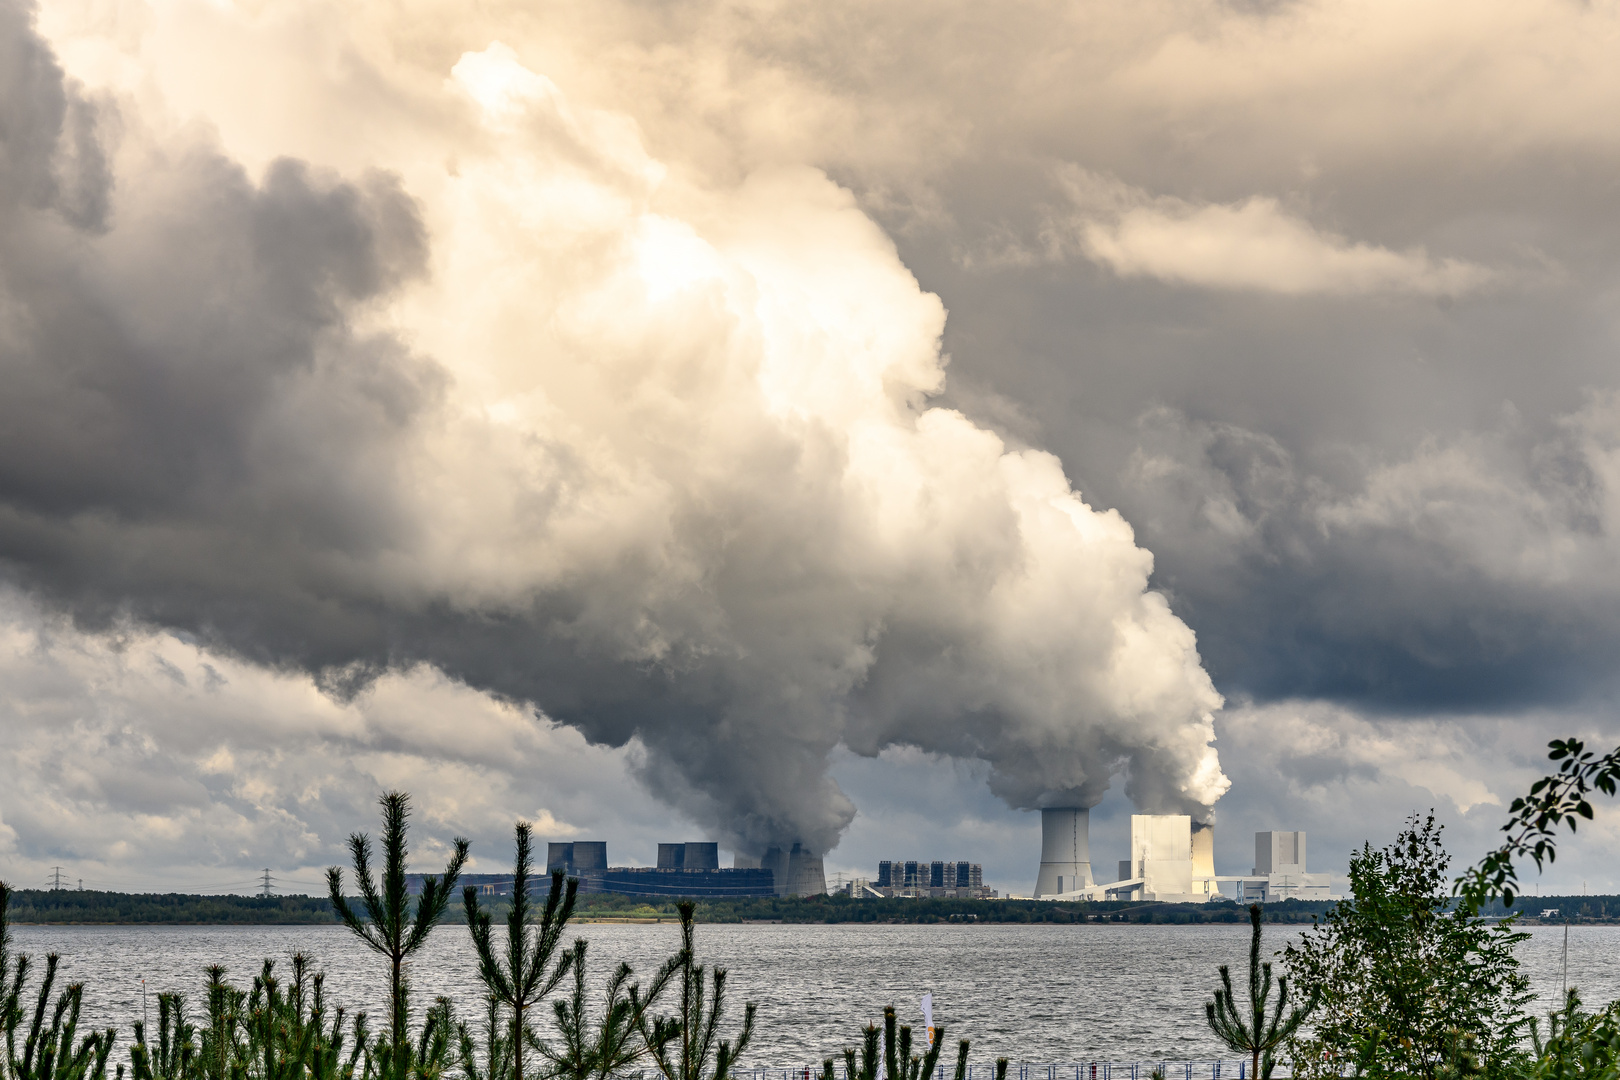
column 928, row 1016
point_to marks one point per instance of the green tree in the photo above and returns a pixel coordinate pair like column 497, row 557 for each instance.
column 1404, row 982
column 492, row 1061
column 898, row 1061
column 175, row 1056
column 1261, row 1034
column 684, row 1045
column 390, row 926
column 48, row 1051
column 606, row 1049
column 526, row 974
column 1580, row 1045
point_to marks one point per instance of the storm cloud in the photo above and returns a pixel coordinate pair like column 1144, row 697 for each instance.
column 597, row 359
column 662, row 465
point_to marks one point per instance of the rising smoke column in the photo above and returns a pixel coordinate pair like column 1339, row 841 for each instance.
column 654, row 455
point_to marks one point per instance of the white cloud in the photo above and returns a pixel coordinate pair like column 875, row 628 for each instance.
column 141, row 761
column 1253, row 244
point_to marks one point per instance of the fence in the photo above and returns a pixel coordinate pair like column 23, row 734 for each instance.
column 1091, row 1070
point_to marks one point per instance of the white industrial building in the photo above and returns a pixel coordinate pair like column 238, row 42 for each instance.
column 1279, row 871
column 1172, row 861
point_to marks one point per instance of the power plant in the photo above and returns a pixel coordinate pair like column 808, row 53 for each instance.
column 1172, row 860
column 797, row 871
column 924, row 879
column 687, row 869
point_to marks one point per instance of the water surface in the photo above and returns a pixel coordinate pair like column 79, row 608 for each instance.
column 1033, row 993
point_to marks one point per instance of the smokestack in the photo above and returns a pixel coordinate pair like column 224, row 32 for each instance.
column 1065, row 850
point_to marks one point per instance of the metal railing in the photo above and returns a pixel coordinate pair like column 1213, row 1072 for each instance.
column 1090, row 1070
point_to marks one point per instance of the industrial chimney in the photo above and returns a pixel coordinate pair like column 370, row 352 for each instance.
column 1065, row 850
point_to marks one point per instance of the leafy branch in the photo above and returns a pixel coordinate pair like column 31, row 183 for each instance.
column 1533, row 820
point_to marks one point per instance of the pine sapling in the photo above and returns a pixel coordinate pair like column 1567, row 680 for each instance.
column 683, row 1046
column 1261, row 1034
column 531, row 968
column 390, row 927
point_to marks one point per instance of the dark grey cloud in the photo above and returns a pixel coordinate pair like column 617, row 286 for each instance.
column 734, row 534
column 1260, row 443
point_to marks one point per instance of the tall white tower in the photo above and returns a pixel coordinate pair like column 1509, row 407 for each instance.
column 1065, row 850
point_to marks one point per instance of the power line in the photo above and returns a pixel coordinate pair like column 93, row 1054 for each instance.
column 265, row 892
column 56, row 879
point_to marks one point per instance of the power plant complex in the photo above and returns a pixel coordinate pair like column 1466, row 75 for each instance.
column 686, row 869
column 1172, row 861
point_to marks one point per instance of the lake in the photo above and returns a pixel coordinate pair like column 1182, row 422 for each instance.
column 1031, row 993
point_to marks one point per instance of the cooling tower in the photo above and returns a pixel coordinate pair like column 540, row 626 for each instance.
column 805, row 876
column 590, row 855
column 1065, row 850
column 700, row 855
column 776, row 861
column 1203, row 850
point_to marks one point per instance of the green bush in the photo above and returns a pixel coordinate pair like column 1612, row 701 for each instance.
column 1407, row 985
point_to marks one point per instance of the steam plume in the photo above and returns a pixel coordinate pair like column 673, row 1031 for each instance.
column 655, row 456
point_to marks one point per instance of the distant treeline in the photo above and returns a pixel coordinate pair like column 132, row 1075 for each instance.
column 89, row 906
column 1575, row 909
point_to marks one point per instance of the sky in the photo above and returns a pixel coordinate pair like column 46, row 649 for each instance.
column 859, row 425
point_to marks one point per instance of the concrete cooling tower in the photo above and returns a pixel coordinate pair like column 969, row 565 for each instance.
column 798, row 871
column 1065, row 851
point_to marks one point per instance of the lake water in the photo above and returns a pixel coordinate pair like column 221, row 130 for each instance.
column 1032, row 993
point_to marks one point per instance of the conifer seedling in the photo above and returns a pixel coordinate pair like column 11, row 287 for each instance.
column 526, row 974
column 390, row 927
column 687, row 1046
column 1261, row 1034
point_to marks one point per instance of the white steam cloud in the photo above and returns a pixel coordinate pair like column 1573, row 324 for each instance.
column 654, row 454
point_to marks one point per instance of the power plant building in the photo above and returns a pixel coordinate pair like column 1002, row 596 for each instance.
column 918, row 878
column 689, row 870
column 1279, row 871
column 1172, row 861
column 798, row 871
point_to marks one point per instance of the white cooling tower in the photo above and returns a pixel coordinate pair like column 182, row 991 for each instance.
column 1065, row 850
column 805, row 876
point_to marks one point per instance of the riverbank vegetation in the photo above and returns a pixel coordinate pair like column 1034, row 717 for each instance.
column 1399, row 980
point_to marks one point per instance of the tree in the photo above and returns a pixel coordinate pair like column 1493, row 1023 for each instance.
column 390, row 927
column 1402, row 979
column 1256, row 1036
column 1533, row 821
column 527, row 974
column 582, row 1053
column 692, row 1033
column 48, row 1051
column 897, row 1060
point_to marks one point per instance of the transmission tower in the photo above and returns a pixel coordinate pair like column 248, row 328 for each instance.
column 56, row 878
column 264, row 891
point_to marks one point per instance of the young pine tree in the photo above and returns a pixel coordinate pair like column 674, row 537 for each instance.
column 687, row 1046
column 1261, row 1033
column 526, row 974
column 607, row 1049
column 390, row 926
